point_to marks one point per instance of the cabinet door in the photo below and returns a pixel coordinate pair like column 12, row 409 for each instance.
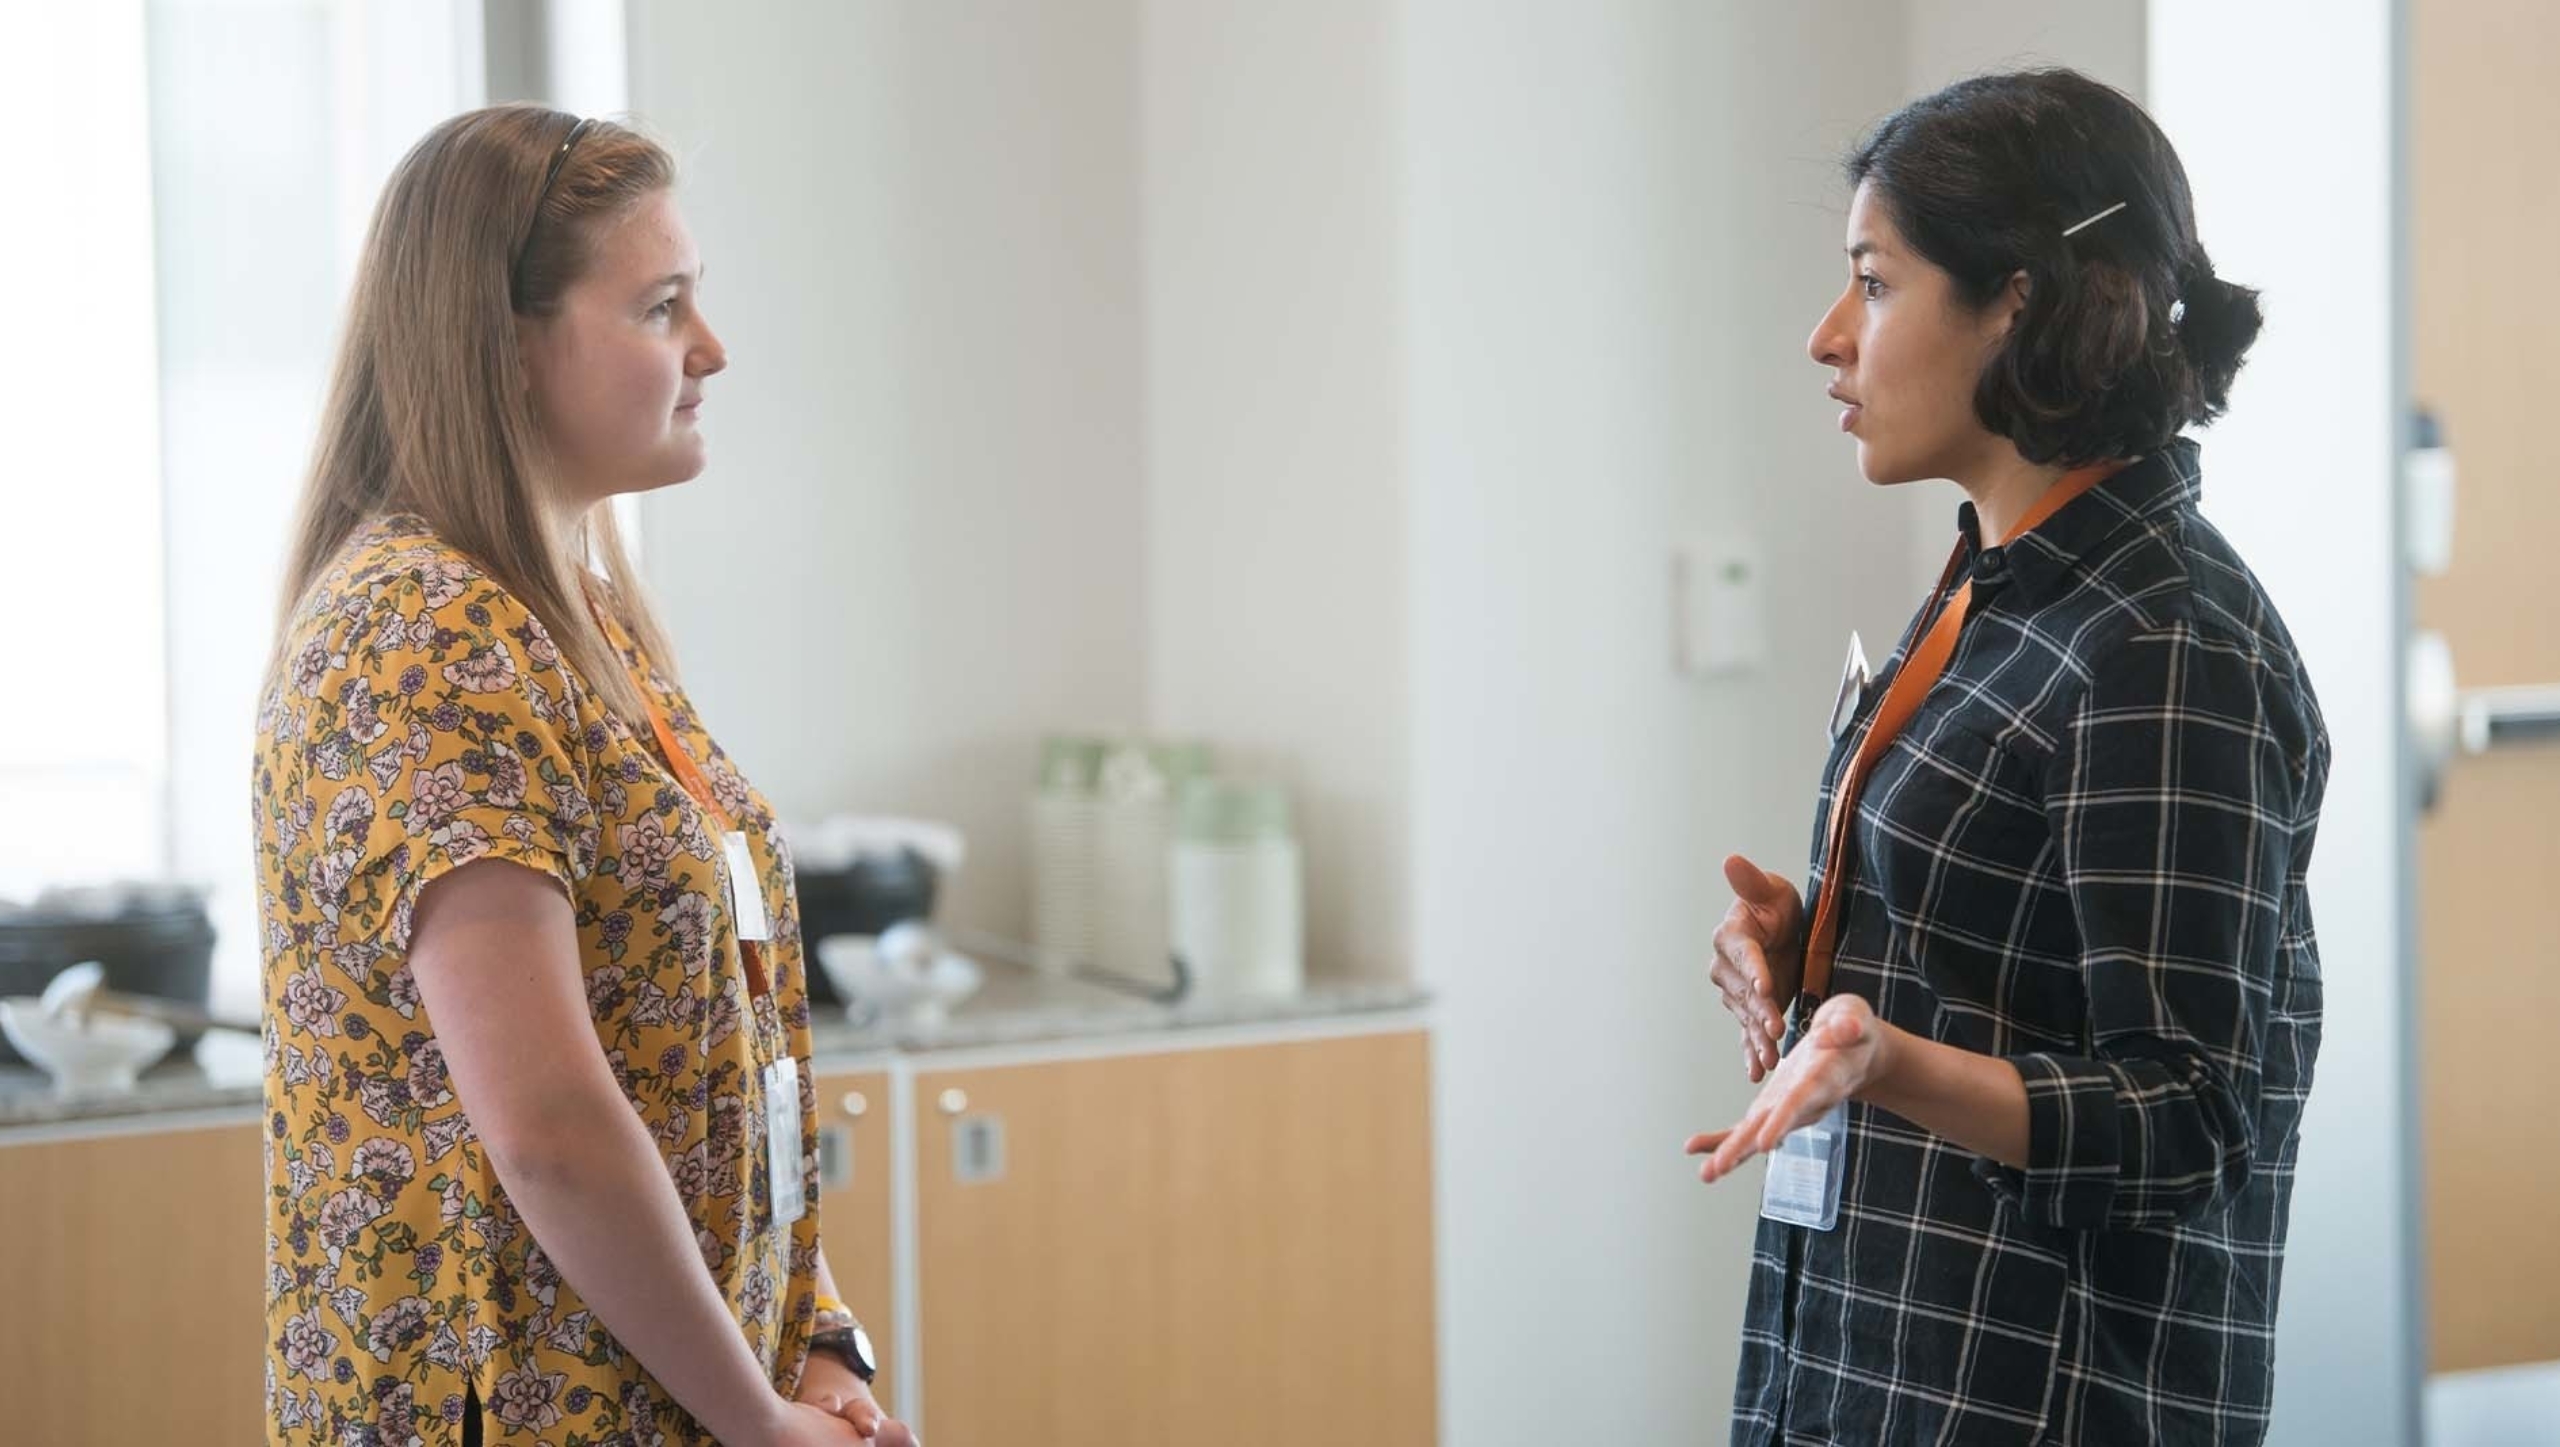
column 1229, row 1245
column 853, row 1203
column 132, row 1293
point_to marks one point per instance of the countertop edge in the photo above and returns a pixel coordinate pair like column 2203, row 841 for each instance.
column 975, row 1045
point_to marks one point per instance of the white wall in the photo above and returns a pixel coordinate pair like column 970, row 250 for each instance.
column 1951, row 39
column 1063, row 393
column 1948, row 40
column 297, row 113
column 2299, row 198
column 1621, row 223
column 1275, row 489
column 921, row 540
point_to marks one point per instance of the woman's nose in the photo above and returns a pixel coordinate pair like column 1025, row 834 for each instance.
column 1829, row 344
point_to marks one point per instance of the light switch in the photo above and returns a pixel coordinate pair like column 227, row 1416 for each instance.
column 1719, row 621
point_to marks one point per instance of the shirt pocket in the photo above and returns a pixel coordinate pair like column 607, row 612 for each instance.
column 1954, row 842
column 1951, row 821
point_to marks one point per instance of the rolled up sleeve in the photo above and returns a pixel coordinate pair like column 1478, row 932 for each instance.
column 2172, row 804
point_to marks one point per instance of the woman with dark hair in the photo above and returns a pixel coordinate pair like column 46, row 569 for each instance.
column 2033, row 1050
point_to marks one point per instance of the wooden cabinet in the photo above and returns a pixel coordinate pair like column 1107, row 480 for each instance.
column 131, row 1289
column 1228, row 1245
column 856, row 1189
column 1157, row 1243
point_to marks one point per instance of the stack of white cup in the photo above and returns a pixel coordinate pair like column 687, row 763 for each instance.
column 1133, row 925
column 1065, row 817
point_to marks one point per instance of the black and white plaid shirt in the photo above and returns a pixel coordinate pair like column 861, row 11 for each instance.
column 2085, row 854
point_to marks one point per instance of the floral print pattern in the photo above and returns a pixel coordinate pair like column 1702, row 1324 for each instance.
column 422, row 719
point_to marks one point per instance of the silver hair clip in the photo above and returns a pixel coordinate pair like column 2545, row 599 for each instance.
column 2094, row 220
column 2177, row 311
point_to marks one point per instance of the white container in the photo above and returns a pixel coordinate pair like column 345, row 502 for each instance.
column 911, row 984
column 1239, row 918
column 101, row 1055
column 1239, row 904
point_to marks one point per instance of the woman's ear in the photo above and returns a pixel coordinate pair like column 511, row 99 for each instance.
column 528, row 343
column 2005, row 307
column 2013, row 301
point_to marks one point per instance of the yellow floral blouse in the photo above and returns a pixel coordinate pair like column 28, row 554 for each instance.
column 424, row 719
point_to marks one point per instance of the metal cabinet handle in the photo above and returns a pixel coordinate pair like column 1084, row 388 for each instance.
column 856, row 1104
column 953, row 1101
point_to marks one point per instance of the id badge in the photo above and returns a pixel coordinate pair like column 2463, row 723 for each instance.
column 1803, row 1184
column 1802, row 1187
column 746, row 896
column 783, row 1171
column 1854, row 678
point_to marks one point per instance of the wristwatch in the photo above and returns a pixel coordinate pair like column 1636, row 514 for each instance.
column 835, row 1330
column 852, row 1344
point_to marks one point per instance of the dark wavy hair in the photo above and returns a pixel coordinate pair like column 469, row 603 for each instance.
column 1983, row 178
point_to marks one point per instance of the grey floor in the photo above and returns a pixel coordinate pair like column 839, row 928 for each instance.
column 2504, row 1407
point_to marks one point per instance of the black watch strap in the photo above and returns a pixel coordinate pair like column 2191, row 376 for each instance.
column 851, row 1345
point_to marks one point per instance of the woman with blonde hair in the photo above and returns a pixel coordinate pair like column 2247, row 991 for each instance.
column 540, row 1135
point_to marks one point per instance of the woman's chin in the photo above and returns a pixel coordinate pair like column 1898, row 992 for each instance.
column 684, row 462
column 1886, row 469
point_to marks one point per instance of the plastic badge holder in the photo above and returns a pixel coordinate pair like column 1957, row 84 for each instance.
column 1802, row 1187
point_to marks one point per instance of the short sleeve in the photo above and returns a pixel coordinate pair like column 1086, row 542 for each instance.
column 442, row 729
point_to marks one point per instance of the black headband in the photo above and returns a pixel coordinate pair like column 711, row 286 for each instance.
column 559, row 158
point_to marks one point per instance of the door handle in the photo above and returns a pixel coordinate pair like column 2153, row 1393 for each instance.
column 2493, row 716
column 2446, row 722
column 2435, row 713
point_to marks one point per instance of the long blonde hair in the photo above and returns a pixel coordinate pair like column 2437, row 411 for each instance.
column 428, row 408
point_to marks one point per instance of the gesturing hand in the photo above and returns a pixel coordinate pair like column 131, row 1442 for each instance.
column 1759, row 959
column 1843, row 1050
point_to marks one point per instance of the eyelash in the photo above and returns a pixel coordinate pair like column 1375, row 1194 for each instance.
column 1873, row 286
column 664, row 308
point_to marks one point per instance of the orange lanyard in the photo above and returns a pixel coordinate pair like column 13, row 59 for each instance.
column 686, row 771
column 689, row 774
column 1920, row 670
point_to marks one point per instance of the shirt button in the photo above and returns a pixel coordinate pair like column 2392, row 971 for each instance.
column 1991, row 563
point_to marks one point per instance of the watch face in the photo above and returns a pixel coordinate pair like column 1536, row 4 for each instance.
column 862, row 1344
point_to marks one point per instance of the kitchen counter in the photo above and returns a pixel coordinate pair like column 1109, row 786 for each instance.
column 223, row 1079
column 1016, row 1007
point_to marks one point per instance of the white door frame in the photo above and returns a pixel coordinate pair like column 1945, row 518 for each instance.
column 2290, row 116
